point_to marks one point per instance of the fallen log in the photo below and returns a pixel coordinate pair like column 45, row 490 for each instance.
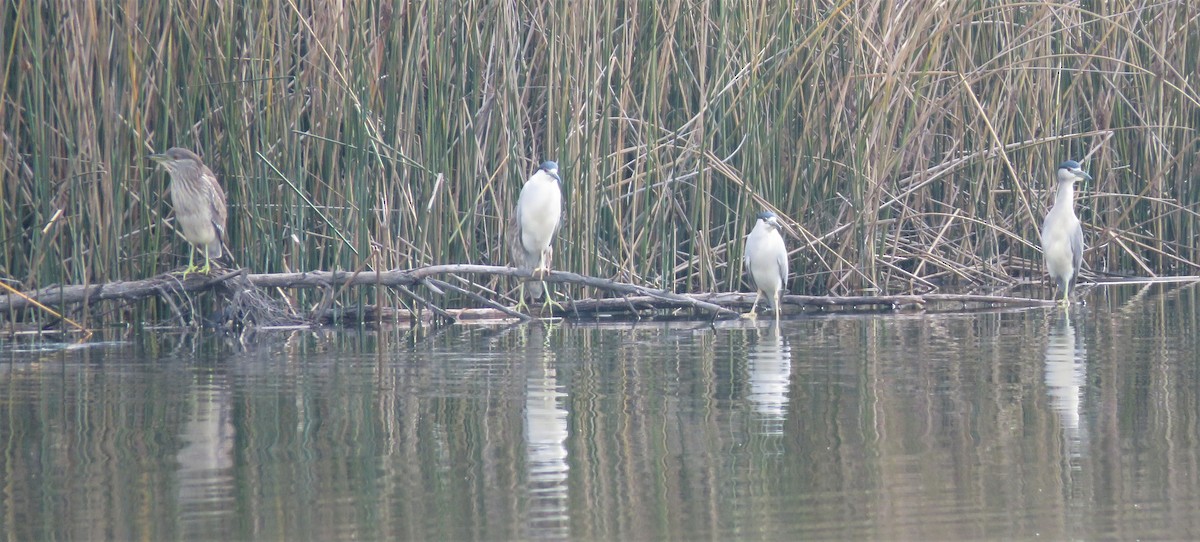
column 622, row 298
column 403, row 280
column 61, row 295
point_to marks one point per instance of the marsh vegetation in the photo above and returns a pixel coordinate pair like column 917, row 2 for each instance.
column 909, row 146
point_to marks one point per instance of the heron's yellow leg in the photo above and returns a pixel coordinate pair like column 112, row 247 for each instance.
column 752, row 315
column 207, row 264
column 549, row 301
column 191, row 267
column 521, row 307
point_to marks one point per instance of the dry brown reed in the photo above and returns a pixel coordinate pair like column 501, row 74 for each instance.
column 909, row 145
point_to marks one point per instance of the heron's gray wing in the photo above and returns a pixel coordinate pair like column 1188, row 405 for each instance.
column 516, row 249
column 218, row 208
column 214, row 198
column 558, row 225
column 782, row 262
column 1077, row 248
column 746, row 263
column 521, row 258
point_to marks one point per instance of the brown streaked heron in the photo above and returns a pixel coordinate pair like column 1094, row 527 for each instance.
column 539, row 210
column 766, row 261
column 1062, row 235
column 199, row 202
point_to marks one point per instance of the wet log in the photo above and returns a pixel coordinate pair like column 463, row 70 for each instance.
column 404, row 280
column 62, row 295
column 618, row 298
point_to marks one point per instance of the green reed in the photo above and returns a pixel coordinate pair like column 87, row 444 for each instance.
column 909, row 145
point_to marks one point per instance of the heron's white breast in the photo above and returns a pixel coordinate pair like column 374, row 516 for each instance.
column 540, row 208
column 762, row 252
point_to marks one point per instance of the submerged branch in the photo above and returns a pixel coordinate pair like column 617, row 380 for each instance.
column 622, row 298
column 401, row 280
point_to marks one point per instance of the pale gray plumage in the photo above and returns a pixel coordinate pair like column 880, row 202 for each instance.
column 532, row 228
column 766, row 261
column 1062, row 234
column 199, row 202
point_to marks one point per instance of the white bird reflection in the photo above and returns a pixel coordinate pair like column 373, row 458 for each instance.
column 545, row 447
column 206, row 458
column 1066, row 373
column 770, row 367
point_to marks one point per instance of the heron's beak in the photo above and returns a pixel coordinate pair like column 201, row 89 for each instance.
column 160, row 158
column 1083, row 174
column 554, row 173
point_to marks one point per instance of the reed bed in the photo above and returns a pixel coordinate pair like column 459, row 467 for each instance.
column 909, row 146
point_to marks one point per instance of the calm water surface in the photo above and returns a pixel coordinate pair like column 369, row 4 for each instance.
column 1026, row 424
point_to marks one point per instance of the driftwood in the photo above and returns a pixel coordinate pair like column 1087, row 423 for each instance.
column 402, row 280
column 623, row 298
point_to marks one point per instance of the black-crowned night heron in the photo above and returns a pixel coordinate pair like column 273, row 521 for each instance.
column 199, row 204
column 766, row 261
column 1062, row 236
column 539, row 209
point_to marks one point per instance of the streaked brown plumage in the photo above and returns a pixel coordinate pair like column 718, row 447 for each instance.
column 199, row 202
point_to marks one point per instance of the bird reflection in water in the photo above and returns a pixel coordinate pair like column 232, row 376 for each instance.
column 545, row 441
column 770, row 368
column 1066, row 373
column 205, row 488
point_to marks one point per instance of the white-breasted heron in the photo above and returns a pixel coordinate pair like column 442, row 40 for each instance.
column 766, row 261
column 539, row 209
column 199, row 204
column 1062, row 235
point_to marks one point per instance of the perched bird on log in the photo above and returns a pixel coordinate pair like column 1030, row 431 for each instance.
column 1062, row 235
column 199, row 202
column 766, row 261
column 532, row 227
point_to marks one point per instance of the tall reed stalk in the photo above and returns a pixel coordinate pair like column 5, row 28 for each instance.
column 910, row 145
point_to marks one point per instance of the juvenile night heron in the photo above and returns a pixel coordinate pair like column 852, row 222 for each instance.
column 539, row 209
column 199, row 204
column 766, row 261
column 1062, row 236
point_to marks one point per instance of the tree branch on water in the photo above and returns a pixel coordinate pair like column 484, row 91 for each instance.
column 402, row 280
column 626, row 298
